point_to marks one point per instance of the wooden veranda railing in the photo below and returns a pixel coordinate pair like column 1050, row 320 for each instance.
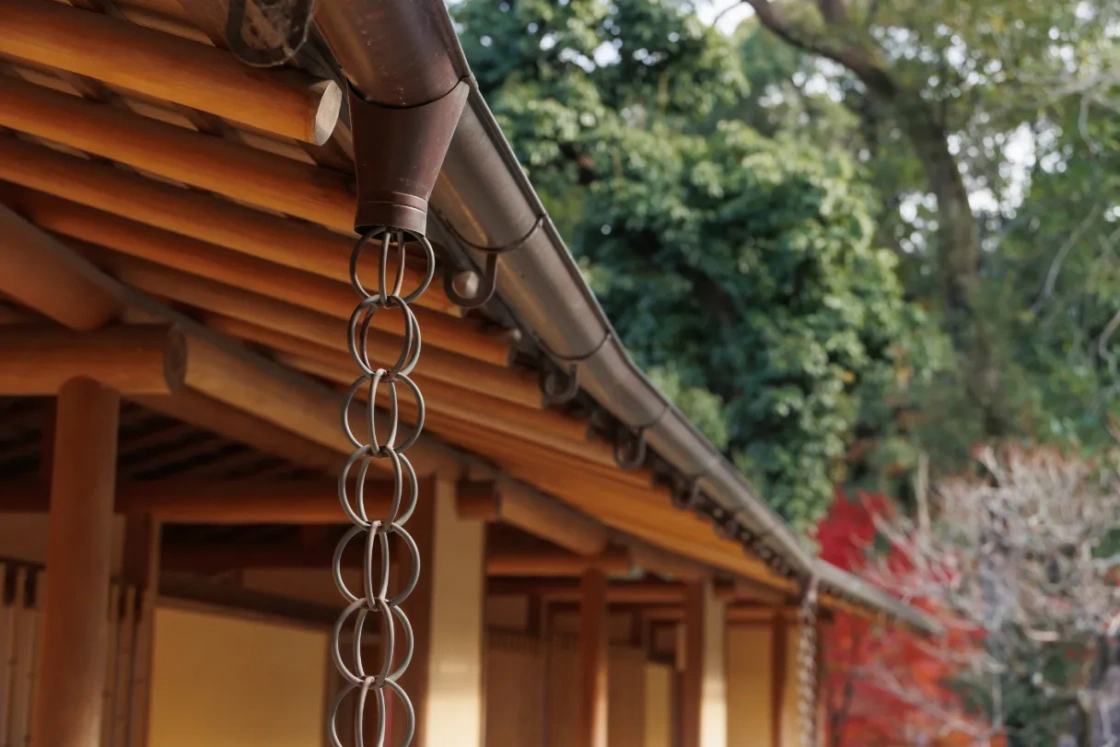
column 128, row 667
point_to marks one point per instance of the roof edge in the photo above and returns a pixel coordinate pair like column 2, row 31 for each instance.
column 485, row 197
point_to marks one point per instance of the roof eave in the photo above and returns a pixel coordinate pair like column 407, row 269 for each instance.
column 485, row 195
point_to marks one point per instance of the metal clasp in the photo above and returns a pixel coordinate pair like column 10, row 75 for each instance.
column 488, row 283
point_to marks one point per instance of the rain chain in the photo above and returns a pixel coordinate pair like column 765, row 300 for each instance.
column 375, row 598
column 807, row 666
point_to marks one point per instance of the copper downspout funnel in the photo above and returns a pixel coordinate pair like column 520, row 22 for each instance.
column 398, row 152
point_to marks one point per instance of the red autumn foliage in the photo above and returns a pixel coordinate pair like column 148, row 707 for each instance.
column 886, row 686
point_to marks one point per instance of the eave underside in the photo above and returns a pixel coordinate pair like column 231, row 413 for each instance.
column 246, row 232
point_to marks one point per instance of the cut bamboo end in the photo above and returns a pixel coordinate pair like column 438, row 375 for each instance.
column 327, row 98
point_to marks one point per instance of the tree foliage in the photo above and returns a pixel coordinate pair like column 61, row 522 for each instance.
column 729, row 198
column 989, row 129
column 1019, row 563
column 888, row 686
column 741, row 268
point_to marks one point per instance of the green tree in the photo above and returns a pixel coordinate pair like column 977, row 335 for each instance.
column 740, row 268
column 990, row 131
column 963, row 112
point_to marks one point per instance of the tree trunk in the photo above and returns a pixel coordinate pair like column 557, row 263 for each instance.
column 958, row 259
column 958, row 235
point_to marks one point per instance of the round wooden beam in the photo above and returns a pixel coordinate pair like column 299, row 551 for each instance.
column 38, row 272
column 565, row 590
column 220, row 166
column 529, row 511
column 201, row 216
column 535, row 563
column 231, row 299
column 545, row 427
column 517, row 385
column 285, row 398
column 211, row 415
column 246, row 501
column 37, row 359
column 289, row 103
column 328, row 296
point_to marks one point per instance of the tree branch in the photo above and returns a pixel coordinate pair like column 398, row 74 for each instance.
column 1059, row 258
column 854, row 57
column 833, row 11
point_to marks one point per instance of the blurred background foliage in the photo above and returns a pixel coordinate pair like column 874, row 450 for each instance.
column 843, row 232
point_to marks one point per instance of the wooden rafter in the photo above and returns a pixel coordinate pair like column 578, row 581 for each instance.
column 290, row 104
column 227, row 372
column 193, row 214
column 564, row 590
column 38, row 273
column 36, row 359
column 193, row 158
column 515, row 385
column 219, row 501
column 207, row 413
column 231, row 299
column 521, row 507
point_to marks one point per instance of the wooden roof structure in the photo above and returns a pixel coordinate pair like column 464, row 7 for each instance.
column 179, row 225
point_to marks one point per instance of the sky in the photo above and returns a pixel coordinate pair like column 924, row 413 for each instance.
column 733, row 11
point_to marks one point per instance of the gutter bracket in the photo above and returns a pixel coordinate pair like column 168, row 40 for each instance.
column 489, row 280
column 630, row 442
column 686, row 495
column 630, row 448
column 558, row 386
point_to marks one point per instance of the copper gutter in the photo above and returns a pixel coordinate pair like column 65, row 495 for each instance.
column 405, row 53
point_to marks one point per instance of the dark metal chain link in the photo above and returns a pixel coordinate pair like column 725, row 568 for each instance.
column 726, row 524
column 807, row 665
column 375, row 599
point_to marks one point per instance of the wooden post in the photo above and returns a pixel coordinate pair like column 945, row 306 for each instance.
column 713, row 709
column 74, row 625
column 592, row 718
column 140, row 567
column 445, row 680
column 779, row 665
column 692, row 683
column 704, row 696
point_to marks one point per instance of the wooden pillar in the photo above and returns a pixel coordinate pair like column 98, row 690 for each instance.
column 593, row 657
column 713, row 709
column 445, row 680
column 74, row 626
column 704, row 687
column 140, row 567
column 692, row 680
column 779, row 671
